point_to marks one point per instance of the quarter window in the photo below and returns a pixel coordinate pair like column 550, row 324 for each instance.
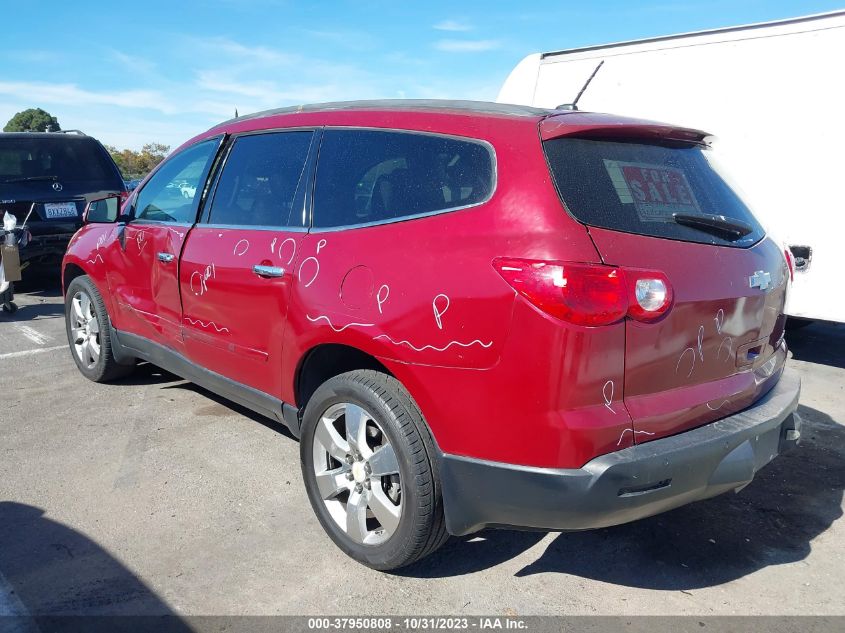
column 263, row 182
column 376, row 176
column 174, row 191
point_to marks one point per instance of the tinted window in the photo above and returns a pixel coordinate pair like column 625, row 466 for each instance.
column 371, row 176
column 173, row 192
column 65, row 157
column 636, row 187
column 262, row 183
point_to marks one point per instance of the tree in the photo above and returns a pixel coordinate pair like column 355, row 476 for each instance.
column 134, row 164
column 33, row 120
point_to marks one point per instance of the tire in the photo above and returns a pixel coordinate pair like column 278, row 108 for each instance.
column 86, row 318
column 391, row 420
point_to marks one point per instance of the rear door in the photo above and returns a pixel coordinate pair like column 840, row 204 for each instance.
column 144, row 265
column 236, row 267
column 647, row 203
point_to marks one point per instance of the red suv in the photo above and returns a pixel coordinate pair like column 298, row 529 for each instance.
column 470, row 314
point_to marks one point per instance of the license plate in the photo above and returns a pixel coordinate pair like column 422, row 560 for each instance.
column 60, row 210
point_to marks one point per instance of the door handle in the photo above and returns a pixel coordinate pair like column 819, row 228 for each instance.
column 268, row 271
column 166, row 257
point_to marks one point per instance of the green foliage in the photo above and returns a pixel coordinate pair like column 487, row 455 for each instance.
column 134, row 164
column 33, row 120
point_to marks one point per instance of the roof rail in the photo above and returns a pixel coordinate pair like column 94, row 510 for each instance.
column 80, row 132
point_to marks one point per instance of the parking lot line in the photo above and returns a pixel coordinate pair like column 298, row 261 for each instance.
column 28, row 352
column 32, row 334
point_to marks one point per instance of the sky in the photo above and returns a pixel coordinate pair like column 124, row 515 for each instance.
column 153, row 71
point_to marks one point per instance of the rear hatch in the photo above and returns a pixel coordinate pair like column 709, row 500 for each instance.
column 653, row 198
column 50, row 177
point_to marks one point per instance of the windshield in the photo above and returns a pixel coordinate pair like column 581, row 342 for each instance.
column 63, row 158
column 639, row 187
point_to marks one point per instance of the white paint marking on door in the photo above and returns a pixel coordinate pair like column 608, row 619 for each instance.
column 29, row 352
column 32, row 334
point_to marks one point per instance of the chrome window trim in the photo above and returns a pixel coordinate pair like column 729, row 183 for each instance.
column 251, row 227
column 159, row 223
column 469, row 139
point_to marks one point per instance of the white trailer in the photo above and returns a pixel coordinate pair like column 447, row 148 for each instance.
column 774, row 96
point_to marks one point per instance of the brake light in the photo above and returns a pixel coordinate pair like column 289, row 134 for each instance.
column 588, row 294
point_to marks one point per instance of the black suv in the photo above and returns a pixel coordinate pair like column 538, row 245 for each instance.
column 53, row 175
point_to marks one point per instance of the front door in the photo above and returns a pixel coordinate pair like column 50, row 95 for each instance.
column 236, row 265
column 145, row 275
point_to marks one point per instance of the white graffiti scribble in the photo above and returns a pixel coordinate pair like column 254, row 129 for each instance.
column 699, row 346
column 140, row 240
column 700, row 342
column 96, row 258
column 241, row 248
column 432, row 347
column 621, row 437
column 608, row 397
column 730, row 342
column 101, row 241
column 205, row 325
column 721, row 404
column 316, row 272
column 293, row 250
column 681, row 357
column 720, row 320
column 381, row 299
column 439, row 312
column 336, row 329
column 199, row 280
column 273, row 245
column 320, row 245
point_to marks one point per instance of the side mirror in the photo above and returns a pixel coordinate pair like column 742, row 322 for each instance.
column 102, row 211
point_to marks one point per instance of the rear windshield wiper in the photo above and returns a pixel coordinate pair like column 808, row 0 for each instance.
column 29, row 179
column 721, row 225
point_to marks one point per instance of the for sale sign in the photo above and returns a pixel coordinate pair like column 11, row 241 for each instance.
column 656, row 191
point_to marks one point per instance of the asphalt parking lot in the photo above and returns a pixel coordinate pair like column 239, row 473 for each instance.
column 154, row 496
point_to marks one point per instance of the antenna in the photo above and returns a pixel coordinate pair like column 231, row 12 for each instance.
column 574, row 104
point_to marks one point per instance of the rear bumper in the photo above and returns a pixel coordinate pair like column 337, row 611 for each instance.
column 626, row 485
column 40, row 246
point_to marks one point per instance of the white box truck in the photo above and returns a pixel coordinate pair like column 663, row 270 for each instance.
column 773, row 94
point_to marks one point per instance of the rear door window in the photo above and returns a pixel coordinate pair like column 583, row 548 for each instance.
column 370, row 176
column 263, row 181
column 637, row 187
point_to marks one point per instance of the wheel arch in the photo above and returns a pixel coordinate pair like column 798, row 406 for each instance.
column 71, row 271
column 325, row 361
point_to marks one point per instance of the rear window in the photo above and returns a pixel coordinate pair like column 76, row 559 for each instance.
column 68, row 159
column 637, row 187
column 367, row 176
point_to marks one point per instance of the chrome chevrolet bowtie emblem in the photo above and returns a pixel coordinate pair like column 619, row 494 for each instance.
column 760, row 279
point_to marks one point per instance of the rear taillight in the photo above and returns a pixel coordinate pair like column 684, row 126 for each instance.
column 790, row 262
column 588, row 294
column 650, row 294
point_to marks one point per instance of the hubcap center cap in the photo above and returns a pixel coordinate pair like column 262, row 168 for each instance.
column 358, row 472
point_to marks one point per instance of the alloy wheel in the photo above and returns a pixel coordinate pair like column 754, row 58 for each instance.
column 85, row 330
column 357, row 473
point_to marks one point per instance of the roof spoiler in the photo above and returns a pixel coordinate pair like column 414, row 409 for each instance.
column 605, row 126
